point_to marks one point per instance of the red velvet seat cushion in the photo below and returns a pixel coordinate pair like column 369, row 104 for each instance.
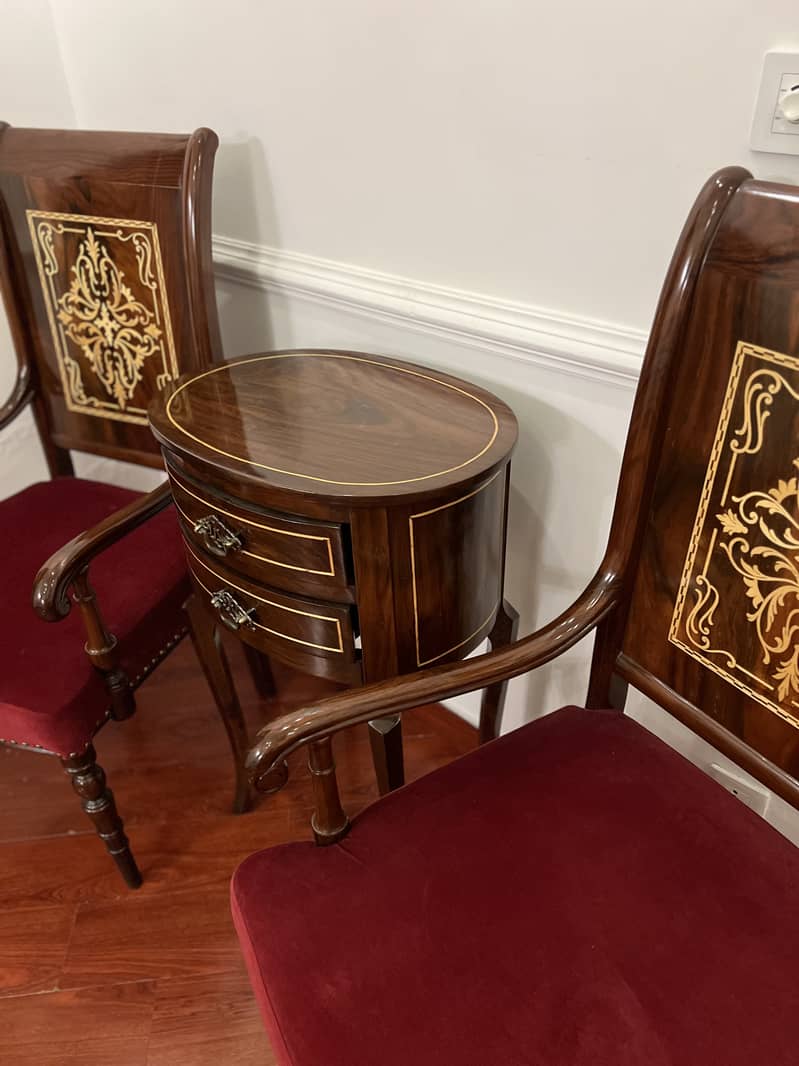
column 574, row 894
column 50, row 695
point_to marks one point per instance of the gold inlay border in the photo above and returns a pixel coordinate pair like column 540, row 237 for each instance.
column 271, row 603
column 494, row 609
column 313, row 477
column 707, row 595
column 67, row 367
column 331, row 572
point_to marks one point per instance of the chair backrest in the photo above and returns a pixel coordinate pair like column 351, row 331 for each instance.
column 705, row 536
column 106, row 274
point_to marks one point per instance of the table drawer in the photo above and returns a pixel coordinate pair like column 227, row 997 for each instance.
column 296, row 629
column 296, row 554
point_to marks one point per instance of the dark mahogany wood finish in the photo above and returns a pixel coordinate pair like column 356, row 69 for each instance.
column 696, row 601
column 345, row 513
column 105, row 271
column 129, row 213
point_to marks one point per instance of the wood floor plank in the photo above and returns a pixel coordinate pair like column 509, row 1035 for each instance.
column 207, row 1021
column 191, row 854
column 162, row 963
column 180, row 934
column 54, row 1029
column 35, row 797
column 33, row 944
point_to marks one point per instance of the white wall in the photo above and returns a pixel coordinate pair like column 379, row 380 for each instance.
column 33, row 92
column 493, row 187
column 538, row 151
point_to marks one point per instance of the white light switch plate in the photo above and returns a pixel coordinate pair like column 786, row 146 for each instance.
column 771, row 132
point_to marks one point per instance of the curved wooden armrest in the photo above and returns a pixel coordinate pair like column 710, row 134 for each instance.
column 51, row 587
column 21, row 396
column 283, row 735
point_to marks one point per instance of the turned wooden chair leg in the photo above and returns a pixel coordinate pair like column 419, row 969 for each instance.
column 88, row 780
column 504, row 631
column 329, row 821
column 207, row 644
column 261, row 672
column 385, row 738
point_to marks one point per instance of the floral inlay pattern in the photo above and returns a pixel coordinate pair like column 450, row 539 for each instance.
column 102, row 280
column 770, row 574
column 100, row 314
column 743, row 557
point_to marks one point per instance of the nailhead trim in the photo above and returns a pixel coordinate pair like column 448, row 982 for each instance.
column 170, row 644
column 137, row 680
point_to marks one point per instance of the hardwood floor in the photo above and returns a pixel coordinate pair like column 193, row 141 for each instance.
column 91, row 971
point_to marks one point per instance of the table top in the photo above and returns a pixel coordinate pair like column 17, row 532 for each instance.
column 335, row 423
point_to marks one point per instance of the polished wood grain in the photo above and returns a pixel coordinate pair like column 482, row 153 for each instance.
column 88, row 781
column 156, row 977
column 106, row 277
column 34, row 941
column 339, row 425
column 395, row 477
column 206, row 639
column 207, row 1019
column 733, row 284
column 49, row 1029
column 449, row 543
column 306, row 557
column 316, row 634
column 146, row 200
column 748, row 291
column 287, row 733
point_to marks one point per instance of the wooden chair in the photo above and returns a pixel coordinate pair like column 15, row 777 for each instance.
column 576, row 892
column 105, row 270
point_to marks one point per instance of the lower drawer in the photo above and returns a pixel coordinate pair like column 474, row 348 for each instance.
column 300, row 555
column 315, row 636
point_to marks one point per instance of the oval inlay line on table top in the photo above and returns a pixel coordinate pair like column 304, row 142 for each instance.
column 441, row 419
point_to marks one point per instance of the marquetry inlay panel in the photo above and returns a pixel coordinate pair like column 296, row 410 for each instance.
column 102, row 281
column 743, row 556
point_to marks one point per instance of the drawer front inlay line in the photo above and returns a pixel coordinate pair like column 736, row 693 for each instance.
column 225, row 582
column 214, row 506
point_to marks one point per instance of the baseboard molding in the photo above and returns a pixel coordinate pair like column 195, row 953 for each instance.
column 468, row 710
column 564, row 343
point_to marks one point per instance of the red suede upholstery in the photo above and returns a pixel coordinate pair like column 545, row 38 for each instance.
column 50, row 695
column 574, row 894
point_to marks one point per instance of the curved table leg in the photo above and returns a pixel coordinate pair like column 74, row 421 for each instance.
column 504, row 631
column 261, row 671
column 385, row 737
column 205, row 637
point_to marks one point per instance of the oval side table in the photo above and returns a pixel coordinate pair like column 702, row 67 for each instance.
column 344, row 513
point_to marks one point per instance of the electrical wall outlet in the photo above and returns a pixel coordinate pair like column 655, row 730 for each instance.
column 775, row 127
column 753, row 795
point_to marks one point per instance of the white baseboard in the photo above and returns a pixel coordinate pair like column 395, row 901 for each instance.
column 465, row 708
column 567, row 343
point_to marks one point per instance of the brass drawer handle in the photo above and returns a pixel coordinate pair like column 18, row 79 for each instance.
column 218, row 539
column 231, row 613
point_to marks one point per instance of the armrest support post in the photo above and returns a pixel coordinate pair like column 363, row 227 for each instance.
column 101, row 647
column 329, row 821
